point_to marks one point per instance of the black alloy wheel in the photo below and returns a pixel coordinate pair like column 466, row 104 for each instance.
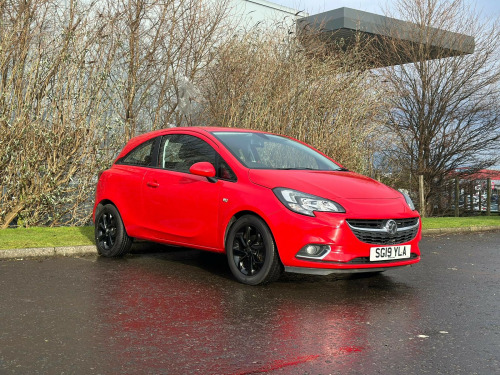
column 252, row 255
column 107, row 231
column 248, row 250
column 110, row 235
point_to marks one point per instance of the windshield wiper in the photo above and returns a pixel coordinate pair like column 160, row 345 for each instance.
column 311, row 169
column 296, row 169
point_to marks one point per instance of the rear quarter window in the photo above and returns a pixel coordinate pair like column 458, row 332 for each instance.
column 142, row 155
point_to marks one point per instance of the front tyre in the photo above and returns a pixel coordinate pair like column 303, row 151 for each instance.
column 251, row 254
column 111, row 239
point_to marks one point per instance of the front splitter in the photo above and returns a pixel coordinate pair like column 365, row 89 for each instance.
column 324, row 272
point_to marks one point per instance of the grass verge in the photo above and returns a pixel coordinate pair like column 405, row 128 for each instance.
column 460, row 222
column 20, row 238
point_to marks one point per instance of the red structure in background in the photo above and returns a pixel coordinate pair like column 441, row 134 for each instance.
column 484, row 174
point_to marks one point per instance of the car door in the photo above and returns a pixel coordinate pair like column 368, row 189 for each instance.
column 126, row 182
column 178, row 206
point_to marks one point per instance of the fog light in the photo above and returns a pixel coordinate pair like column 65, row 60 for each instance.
column 313, row 251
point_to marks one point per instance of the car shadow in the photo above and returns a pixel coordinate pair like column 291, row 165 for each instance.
column 212, row 263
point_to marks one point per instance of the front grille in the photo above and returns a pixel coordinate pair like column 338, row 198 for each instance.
column 379, row 224
column 375, row 232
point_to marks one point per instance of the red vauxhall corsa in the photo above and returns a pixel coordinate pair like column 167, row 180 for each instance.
column 271, row 203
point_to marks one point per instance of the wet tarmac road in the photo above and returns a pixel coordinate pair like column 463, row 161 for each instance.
column 180, row 312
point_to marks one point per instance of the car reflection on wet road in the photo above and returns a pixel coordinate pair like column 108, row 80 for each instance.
column 176, row 311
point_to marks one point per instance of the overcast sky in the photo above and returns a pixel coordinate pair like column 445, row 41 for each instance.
column 487, row 7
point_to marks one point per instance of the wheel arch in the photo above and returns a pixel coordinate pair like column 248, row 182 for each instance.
column 101, row 204
column 239, row 214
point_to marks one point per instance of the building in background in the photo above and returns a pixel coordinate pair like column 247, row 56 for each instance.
column 344, row 23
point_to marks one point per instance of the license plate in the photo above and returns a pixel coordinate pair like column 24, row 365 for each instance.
column 389, row 252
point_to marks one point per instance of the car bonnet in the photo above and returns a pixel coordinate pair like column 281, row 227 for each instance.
column 326, row 184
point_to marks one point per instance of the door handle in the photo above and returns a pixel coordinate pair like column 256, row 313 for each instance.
column 152, row 184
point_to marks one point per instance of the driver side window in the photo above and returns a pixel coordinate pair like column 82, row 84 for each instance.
column 178, row 152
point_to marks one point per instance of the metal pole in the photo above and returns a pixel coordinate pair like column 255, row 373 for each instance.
column 479, row 202
column 450, row 195
column 457, row 196
column 488, row 197
column 466, row 200
column 471, row 196
column 422, row 196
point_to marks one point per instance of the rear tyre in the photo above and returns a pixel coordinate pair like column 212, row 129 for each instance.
column 251, row 253
column 111, row 238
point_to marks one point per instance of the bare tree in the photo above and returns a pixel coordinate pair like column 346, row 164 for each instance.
column 54, row 69
column 445, row 114
column 79, row 78
column 267, row 80
column 163, row 48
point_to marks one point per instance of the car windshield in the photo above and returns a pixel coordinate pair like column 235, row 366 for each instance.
column 268, row 151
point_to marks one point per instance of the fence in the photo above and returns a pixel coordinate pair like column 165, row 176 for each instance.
column 471, row 196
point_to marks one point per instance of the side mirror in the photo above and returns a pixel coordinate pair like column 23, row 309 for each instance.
column 203, row 168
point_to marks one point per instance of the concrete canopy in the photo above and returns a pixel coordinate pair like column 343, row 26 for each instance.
column 344, row 24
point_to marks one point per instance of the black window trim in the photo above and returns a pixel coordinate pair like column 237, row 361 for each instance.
column 217, row 161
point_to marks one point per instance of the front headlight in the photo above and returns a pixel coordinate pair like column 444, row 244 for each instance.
column 408, row 201
column 306, row 204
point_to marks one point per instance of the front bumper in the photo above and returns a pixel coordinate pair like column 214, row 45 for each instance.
column 348, row 254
